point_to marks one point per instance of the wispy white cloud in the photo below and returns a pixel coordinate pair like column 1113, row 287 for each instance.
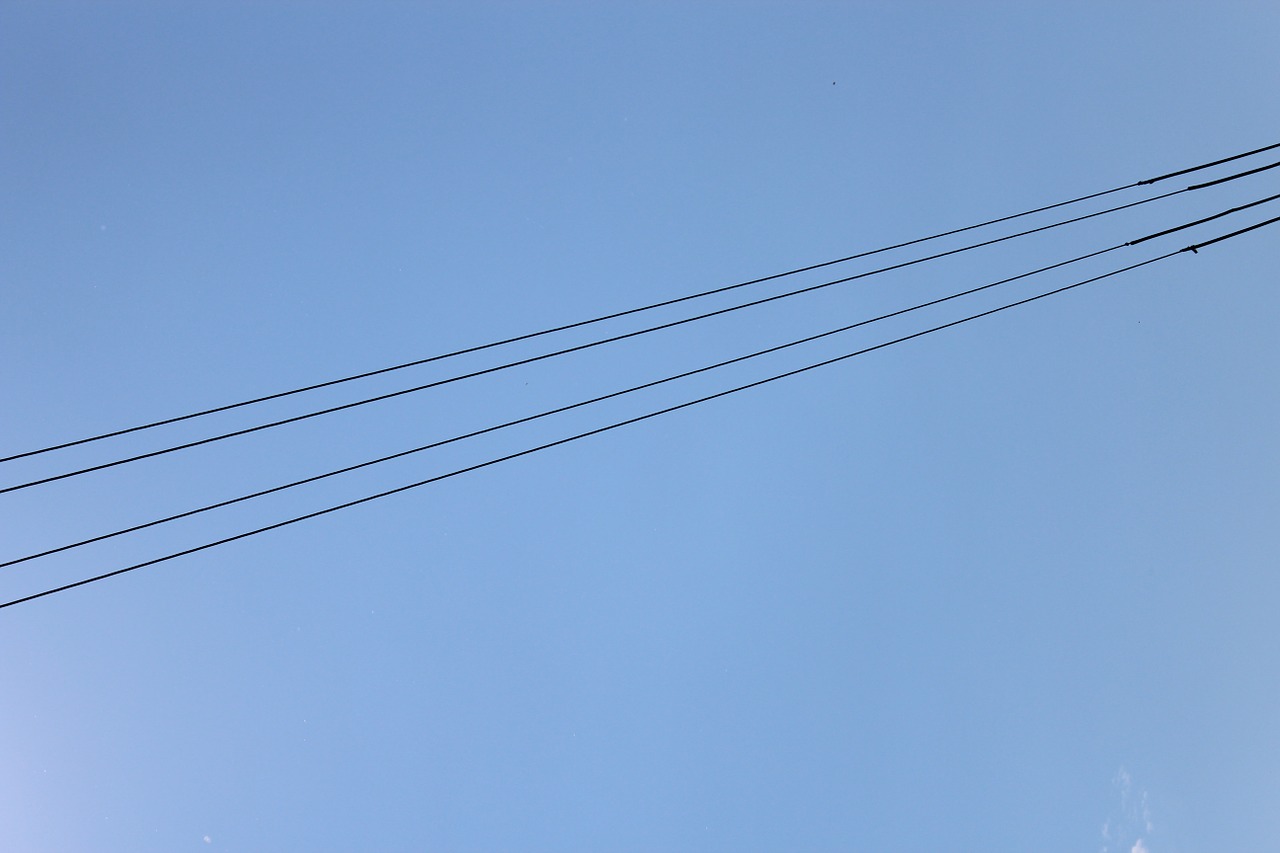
column 1128, row 828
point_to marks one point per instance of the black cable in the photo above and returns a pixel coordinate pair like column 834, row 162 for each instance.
column 1168, row 231
column 650, row 384
column 1198, row 246
column 1210, row 165
column 1233, row 177
column 613, row 339
column 577, row 437
column 555, row 411
column 618, row 314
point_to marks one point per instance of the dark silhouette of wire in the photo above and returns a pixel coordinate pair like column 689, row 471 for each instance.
column 627, row 312
column 556, row 411
column 579, row 436
column 654, row 383
column 1210, row 165
column 1198, row 246
column 1168, row 231
column 1233, row 177
column 578, row 348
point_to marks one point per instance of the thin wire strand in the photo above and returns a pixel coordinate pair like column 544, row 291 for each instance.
column 1198, row 246
column 615, row 315
column 556, row 411
column 567, row 350
column 579, row 436
column 654, row 383
column 1168, row 231
column 1233, row 177
column 1211, row 165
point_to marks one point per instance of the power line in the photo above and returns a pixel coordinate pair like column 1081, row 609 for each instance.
column 578, row 348
column 555, row 411
column 1168, row 231
column 1233, row 177
column 577, row 437
column 616, row 425
column 647, row 385
column 1198, row 246
column 369, row 498
column 630, row 311
column 1211, row 165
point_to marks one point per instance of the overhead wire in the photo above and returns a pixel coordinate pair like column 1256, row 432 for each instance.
column 635, row 388
column 631, row 311
column 1234, row 177
column 1230, row 159
column 539, row 448
column 627, row 422
column 580, row 347
column 555, row 411
column 1183, row 227
column 1196, row 247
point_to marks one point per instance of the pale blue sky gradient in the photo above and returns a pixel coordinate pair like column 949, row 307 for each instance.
column 991, row 590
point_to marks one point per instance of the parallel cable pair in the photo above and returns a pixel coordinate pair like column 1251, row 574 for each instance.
column 1191, row 248
column 602, row 341
column 698, row 295
column 664, row 380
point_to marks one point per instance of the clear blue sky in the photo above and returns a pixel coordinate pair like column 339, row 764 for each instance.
column 1011, row 587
